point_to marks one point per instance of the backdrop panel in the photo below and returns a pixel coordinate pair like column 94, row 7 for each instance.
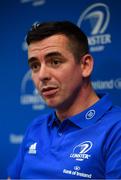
column 19, row 100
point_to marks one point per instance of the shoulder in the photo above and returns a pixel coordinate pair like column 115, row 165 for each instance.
column 111, row 121
column 39, row 123
column 42, row 119
column 115, row 113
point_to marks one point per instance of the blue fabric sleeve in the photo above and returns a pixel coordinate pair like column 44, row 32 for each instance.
column 15, row 167
column 113, row 155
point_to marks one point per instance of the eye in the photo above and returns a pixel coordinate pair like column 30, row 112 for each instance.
column 56, row 62
column 35, row 67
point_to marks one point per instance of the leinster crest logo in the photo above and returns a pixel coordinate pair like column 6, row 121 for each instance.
column 80, row 151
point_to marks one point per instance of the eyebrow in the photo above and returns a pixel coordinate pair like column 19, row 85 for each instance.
column 52, row 54
column 31, row 60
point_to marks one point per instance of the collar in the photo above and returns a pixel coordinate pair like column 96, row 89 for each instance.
column 94, row 113
column 53, row 119
column 89, row 116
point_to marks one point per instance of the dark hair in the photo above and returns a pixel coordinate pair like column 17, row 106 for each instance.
column 77, row 39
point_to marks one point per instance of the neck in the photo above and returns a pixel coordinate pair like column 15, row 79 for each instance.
column 87, row 97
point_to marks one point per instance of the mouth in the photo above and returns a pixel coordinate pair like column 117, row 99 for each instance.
column 49, row 91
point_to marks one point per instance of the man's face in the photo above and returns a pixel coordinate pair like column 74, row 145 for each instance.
column 55, row 72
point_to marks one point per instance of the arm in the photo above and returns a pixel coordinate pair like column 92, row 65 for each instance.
column 113, row 155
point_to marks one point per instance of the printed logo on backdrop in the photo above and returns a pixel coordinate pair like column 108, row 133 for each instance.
column 34, row 2
column 16, row 138
column 107, row 84
column 24, row 43
column 29, row 94
column 80, row 151
column 95, row 19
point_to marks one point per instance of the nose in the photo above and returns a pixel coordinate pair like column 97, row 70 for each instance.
column 44, row 74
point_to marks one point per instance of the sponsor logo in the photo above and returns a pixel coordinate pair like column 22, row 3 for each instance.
column 90, row 114
column 76, row 172
column 24, row 43
column 34, row 2
column 117, row 83
column 108, row 84
column 80, row 151
column 29, row 94
column 16, row 138
column 32, row 149
column 96, row 17
column 77, row 168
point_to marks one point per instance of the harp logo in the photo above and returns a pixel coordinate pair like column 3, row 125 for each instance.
column 80, row 151
column 29, row 94
column 96, row 19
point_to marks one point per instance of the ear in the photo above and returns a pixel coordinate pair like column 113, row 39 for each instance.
column 87, row 63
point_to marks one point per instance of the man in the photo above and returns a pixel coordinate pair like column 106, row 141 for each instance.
column 81, row 137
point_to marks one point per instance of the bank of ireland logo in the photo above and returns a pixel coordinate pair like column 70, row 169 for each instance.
column 96, row 19
column 29, row 94
column 34, row 2
column 117, row 83
column 80, row 152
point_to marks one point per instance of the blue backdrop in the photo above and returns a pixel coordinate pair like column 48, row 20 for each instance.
column 19, row 100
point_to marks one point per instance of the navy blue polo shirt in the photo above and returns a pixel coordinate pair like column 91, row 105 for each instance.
column 84, row 146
